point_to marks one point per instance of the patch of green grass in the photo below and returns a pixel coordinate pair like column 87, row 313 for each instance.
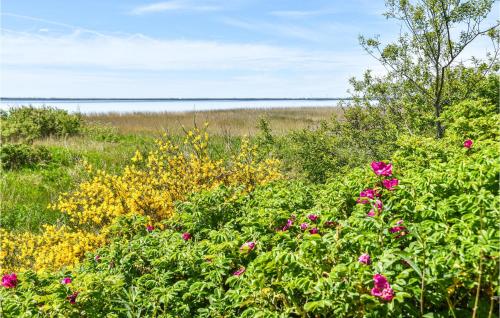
column 26, row 195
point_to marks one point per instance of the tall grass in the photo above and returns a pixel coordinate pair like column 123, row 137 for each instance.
column 235, row 122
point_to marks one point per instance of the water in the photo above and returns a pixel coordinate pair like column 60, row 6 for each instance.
column 164, row 105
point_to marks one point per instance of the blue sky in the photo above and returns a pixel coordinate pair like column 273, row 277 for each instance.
column 187, row 48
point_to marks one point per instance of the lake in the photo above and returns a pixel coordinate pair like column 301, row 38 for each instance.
column 164, row 105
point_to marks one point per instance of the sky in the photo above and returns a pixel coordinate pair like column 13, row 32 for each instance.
column 187, row 48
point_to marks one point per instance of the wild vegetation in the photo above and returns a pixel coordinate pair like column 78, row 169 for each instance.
column 389, row 210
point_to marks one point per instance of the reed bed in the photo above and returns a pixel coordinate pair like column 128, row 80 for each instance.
column 234, row 122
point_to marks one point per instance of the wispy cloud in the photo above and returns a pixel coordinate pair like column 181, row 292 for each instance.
column 299, row 13
column 88, row 64
column 286, row 30
column 50, row 22
column 173, row 5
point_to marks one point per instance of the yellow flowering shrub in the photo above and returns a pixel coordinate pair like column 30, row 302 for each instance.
column 148, row 186
column 56, row 247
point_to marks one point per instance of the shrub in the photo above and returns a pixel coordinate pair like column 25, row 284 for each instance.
column 17, row 156
column 28, row 123
column 150, row 185
column 434, row 241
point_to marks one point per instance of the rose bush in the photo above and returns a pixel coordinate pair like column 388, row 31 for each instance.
column 289, row 249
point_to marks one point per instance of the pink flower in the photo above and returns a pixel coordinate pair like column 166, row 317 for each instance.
column 66, row 280
column 390, row 184
column 186, row 236
column 396, row 229
column 377, row 205
column 312, row 217
column 399, row 229
column 330, row 223
column 380, row 281
column 304, row 226
column 289, row 223
column 9, row 280
column 382, row 288
column 381, row 168
column 387, row 294
column 150, row 228
column 376, row 292
column 239, row 271
column 97, row 258
column 72, row 298
column 468, row 144
column 367, row 194
column 365, row 259
column 314, row 231
column 247, row 247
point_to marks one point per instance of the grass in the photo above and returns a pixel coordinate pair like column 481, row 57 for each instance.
column 236, row 122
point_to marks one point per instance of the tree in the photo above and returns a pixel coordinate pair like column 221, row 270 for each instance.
column 434, row 33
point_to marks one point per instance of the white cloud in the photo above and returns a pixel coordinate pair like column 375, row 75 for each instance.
column 286, row 30
column 83, row 64
column 137, row 52
column 172, row 6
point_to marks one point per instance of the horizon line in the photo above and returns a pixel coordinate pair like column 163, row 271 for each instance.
column 166, row 98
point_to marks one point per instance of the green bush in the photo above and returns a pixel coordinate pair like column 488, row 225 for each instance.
column 28, row 123
column 17, row 156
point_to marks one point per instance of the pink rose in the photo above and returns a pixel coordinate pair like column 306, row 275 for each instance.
column 239, row 271
column 9, row 280
column 247, row 247
column 367, row 194
column 376, row 292
column 380, row 281
column 387, row 294
column 330, row 223
column 150, row 228
column 468, row 144
column 304, row 226
column 382, row 288
column 66, row 280
column 186, row 236
column 312, row 217
column 365, row 259
column 381, row 168
column 390, row 184
column 72, row 298
column 377, row 205
column 314, row 231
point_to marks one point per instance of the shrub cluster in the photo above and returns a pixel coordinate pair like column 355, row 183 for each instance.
column 149, row 186
column 28, row 123
column 413, row 236
column 17, row 156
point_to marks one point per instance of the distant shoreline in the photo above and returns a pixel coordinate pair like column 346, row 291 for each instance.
column 59, row 99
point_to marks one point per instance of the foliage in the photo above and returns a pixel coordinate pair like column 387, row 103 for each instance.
column 17, row 156
column 28, row 123
column 434, row 238
column 434, row 34
column 149, row 186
